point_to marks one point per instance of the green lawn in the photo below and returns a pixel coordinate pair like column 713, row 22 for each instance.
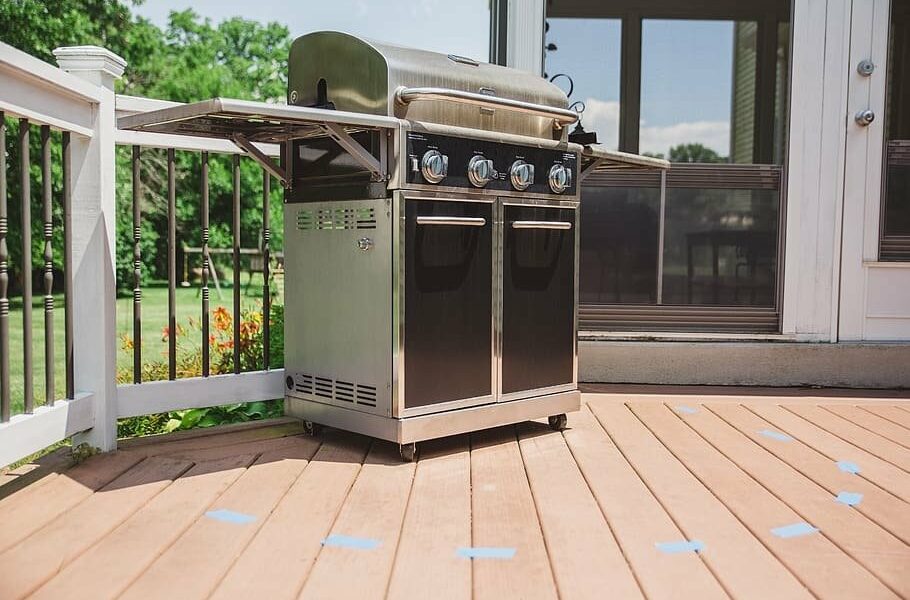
column 154, row 319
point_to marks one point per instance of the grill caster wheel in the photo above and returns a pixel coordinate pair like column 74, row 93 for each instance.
column 408, row 452
column 312, row 429
column 558, row 422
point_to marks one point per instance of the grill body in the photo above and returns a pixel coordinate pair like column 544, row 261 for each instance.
column 416, row 310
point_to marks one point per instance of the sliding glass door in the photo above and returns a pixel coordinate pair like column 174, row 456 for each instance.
column 704, row 86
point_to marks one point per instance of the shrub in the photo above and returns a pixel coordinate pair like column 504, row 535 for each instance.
column 189, row 364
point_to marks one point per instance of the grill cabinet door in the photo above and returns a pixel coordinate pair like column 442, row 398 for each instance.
column 538, row 297
column 448, row 325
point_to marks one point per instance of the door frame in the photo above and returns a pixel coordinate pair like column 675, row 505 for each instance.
column 863, row 164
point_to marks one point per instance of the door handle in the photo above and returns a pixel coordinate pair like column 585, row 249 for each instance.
column 864, row 118
column 459, row 221
column 541, row 225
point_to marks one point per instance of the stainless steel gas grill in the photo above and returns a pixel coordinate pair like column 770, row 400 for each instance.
column 431, row 236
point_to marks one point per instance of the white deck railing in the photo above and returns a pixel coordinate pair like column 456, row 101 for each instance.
column 78, row 99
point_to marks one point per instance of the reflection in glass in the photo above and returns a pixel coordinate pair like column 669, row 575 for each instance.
column 895, row 239
column 691, row 105
column 588, row 51
column 720, row 247
column 897, row 209
column 619, row 242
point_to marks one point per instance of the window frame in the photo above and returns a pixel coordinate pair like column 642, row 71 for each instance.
column 631, row 13
column 891, row 248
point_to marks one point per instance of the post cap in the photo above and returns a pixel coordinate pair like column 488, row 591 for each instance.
column 90, row 59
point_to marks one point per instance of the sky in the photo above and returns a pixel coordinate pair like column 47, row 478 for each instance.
column 686, row 79
column 451, row 26
column 686, row 65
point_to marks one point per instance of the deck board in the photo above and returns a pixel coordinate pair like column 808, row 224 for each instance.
column 883, row 508
column 29, row 510
column 195, row 563
column 72, row 533
column 583, row 553
column 741, row 563
column 505, row 516
column 873, row 547
column 891, row 413
column 872, row 422
column 871, row 467
column 136, row 543
column 818, row 563
column 437, row 521
column 875, row 444
column 283, row 551
column 636, row 517
column 374, row 510
column 585, row 510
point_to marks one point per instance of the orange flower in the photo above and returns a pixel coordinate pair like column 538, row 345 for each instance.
column 126, row 342
column 165, row 333
column 248, row 328
column 222, row 319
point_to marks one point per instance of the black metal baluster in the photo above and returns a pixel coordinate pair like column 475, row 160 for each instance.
column 4, row 282
column 171, row 267
column 236, row 227
column 205, row 264
column 137, row 268
column 26, row 193
column 47, row 193
column 266, row 298
column 68, row 265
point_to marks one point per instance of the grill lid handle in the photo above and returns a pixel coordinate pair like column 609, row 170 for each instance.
column 560, row 116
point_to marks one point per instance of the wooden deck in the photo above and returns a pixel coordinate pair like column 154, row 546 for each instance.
column 614, row 507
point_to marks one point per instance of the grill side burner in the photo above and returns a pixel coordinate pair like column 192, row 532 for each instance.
column 431, row 236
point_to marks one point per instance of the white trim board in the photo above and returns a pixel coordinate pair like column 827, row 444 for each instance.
column 26, row 434
column 198, row 392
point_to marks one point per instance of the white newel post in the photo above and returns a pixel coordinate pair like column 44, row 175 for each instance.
column 94, row 222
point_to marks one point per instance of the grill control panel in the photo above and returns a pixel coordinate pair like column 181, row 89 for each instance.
column 482, row 164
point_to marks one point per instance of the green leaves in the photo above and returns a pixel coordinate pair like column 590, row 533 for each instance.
column 221, row 415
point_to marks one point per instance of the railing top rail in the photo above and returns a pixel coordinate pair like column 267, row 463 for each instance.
column 18, row 64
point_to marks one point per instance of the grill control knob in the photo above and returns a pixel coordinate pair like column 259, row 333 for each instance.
column 480, row 170
column 522, row 175
column 560, row 178
column 434, row 165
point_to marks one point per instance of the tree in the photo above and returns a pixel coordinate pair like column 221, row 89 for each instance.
column 189, row 60
column 695, row 153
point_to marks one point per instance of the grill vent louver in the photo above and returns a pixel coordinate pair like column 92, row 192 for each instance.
column 336, row 389
column 336, row 219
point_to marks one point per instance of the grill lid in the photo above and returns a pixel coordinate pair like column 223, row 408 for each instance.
column 338, row 70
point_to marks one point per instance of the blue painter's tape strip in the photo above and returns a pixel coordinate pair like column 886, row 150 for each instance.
column 849, row 498
column 486, row 552
column 848, row 467
column 229, row 516
column 686, row 410
column 776, row 435
column 797, row 529
column 347, row 541
column 683, row 546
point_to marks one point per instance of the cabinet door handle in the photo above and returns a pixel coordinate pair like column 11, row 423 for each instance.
column 541, row 225
column 459, row 221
